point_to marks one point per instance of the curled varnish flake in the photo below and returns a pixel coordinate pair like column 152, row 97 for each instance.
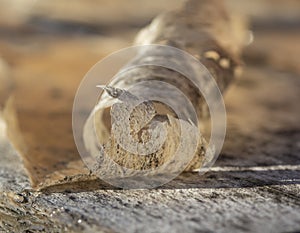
column 195, row 29
column 130, row 117
column 142, row 139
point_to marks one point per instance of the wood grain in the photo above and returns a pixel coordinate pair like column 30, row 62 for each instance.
column 254, row 186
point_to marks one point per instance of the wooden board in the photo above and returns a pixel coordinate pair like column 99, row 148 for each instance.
column 254, row 186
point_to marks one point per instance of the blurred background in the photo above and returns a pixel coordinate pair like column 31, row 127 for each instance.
column 91, row 28
column 45, row 41
column 42, row 41
column 47, row 46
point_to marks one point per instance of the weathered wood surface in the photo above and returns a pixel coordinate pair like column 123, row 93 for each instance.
column 254, row 186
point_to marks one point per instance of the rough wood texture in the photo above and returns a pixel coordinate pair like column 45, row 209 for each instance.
column 254, row 186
